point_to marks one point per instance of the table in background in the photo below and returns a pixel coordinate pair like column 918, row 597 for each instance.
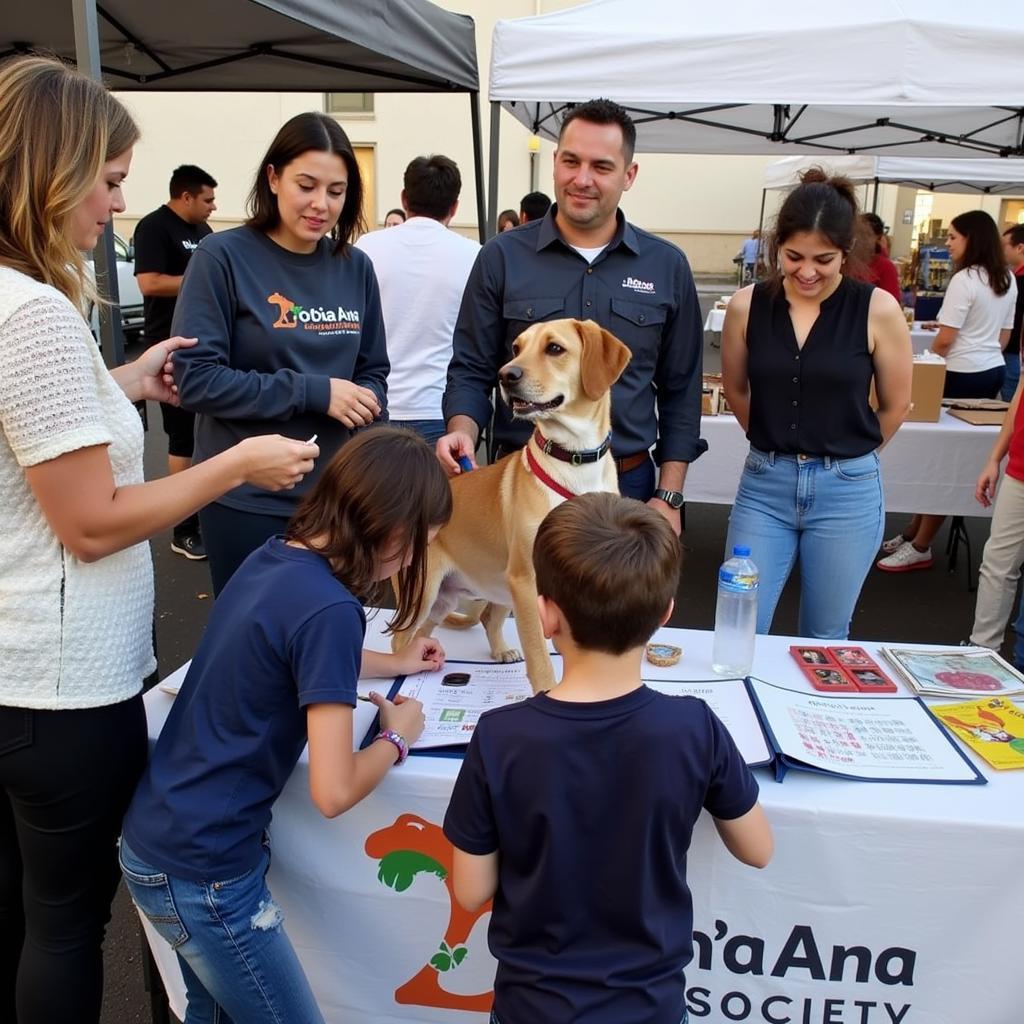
column 898, row 894
column 926, row 467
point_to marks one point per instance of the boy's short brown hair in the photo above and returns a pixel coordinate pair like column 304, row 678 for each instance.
column 611, row 565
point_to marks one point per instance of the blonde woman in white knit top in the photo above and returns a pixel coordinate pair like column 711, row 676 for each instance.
column 76, row 587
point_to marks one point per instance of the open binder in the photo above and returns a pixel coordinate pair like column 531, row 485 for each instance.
column 863, row 737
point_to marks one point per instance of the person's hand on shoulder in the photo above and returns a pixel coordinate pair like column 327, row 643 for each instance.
column 352, row 404
column 275, row 463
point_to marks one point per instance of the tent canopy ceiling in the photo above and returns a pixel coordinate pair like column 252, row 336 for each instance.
column 261, row 45
column 997, row 177
column 903, row 77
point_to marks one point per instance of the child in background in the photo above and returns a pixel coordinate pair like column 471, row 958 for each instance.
column 574, row 809
column 278, row 664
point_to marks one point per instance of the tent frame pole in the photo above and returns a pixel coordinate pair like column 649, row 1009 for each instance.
column 478, row 166
column 492, row 186
column 87, row 53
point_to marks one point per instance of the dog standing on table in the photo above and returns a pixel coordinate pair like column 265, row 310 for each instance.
column 559, row 379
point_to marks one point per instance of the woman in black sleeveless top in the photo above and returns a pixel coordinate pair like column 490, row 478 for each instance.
column 799, row 353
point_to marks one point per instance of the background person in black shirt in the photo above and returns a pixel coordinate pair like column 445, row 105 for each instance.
column 164, row 242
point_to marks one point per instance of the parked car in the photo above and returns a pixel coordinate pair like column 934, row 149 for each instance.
column 130, row 297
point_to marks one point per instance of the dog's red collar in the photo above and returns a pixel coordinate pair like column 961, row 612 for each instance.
column 538, row 472
column 575, row 458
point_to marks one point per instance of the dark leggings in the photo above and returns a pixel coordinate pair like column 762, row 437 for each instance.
column 231, row 535
column 66, row 778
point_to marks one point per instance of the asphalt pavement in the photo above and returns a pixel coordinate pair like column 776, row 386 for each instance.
column 932, row 606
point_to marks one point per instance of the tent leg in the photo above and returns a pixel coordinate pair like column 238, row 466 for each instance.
column 761, row 251
column 492, row 184
column 87, row 54
column 874, row 199
column 478, row 165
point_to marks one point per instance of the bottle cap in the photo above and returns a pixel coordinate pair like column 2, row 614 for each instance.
column 741, row 551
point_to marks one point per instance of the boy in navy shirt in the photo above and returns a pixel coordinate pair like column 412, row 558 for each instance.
column 574, row 809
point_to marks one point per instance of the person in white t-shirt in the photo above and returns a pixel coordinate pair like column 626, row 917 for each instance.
column 973, row 329
column 421, row 267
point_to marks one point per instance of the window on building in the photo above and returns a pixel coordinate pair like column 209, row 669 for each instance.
column 348, row 102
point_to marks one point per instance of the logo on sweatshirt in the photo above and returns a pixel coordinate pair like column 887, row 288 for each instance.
column 336, row 320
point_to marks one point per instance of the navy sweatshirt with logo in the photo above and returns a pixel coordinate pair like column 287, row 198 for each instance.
column 273, row 327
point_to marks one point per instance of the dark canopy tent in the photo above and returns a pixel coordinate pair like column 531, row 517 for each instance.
column 255, row 46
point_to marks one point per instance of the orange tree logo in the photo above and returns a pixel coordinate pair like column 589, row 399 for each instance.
column 284, row 308
column 411, row 847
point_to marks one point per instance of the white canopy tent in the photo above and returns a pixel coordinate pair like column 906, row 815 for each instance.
column 989, row 177
column 926, row 78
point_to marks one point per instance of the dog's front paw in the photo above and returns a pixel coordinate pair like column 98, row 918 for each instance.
column 507, row 655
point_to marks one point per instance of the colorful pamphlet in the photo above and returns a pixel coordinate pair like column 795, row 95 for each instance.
column 992, row 727
column 959, row 673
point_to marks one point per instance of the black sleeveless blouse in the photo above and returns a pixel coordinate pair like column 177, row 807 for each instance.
column 812, row 400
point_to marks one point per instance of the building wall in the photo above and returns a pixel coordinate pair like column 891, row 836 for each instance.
column 706, row 204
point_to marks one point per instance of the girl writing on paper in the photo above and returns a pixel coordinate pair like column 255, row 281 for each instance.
column 973, row 329
column 288, row 317
column 76, row 581
column 278, row 665
column 799, row 352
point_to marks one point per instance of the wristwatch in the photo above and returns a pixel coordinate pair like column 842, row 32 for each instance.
column 674, row 499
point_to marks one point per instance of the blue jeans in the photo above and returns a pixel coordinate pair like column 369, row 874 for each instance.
column 1012, row 376
column 638, row 482
column 830, row 512
column 239, row 966
column 430, row 430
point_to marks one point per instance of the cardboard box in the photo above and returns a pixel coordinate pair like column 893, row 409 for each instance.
column 710, row 398
column 926, row 388
column 926, row 391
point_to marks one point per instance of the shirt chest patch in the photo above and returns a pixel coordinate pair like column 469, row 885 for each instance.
column 635, row 284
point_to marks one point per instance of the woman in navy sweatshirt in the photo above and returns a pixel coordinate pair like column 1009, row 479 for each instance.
column 291, row 337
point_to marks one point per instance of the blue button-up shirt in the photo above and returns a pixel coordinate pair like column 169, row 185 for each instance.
column 640, row 288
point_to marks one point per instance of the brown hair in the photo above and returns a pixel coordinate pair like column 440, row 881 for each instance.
column 57, row 130
column 384, row 484
column 984, row 248
column 823, row 204
column 300, row 134
column 611, row 565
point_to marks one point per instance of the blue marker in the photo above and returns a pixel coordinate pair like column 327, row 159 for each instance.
column 464, row 464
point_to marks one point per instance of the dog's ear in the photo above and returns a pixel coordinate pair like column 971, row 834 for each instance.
column 603, row 358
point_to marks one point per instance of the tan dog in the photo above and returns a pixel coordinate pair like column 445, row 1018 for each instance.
column 559, row 379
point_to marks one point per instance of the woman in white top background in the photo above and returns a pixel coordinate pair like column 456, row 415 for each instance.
column 76, row 580
column 973, row 326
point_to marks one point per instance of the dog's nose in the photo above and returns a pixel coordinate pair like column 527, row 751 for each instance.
column 510, row 375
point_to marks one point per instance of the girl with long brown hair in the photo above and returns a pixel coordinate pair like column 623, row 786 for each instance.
column 76, row 581
column 277, row 666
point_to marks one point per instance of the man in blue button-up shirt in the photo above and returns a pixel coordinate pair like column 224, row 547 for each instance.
column 584, row 260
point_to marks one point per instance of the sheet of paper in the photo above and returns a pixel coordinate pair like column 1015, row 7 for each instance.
column 866, row 737
column 728, row 698
column 453, row 707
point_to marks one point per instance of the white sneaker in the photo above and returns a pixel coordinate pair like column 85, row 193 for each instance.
column 906, row 558
column 890, row 545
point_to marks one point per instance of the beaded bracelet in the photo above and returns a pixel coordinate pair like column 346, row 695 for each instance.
column 397, row 741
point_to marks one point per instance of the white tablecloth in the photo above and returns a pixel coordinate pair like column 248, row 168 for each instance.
column 878, row 895
column 926, row 467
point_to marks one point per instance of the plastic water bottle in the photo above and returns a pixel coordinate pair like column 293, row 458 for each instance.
column 735, row 615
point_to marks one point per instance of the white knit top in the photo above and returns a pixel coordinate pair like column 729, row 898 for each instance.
column 72, row 635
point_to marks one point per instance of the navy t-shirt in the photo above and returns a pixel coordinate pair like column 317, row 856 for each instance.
column 591, row 808
column 283, row 634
